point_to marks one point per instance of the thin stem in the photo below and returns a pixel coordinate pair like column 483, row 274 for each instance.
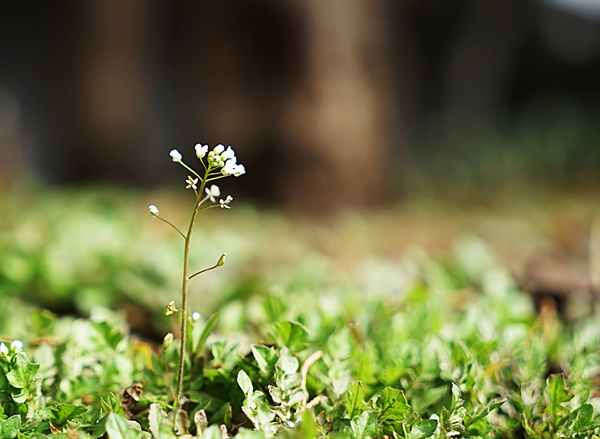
column 190, row 169
column 205, row 270
column 184, row 297
column 171, row 224
column 169, row 376
column 184, row 285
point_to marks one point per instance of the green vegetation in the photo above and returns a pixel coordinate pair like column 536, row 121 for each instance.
column 297, row 336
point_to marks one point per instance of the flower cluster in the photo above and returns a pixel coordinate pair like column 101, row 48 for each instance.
column 221, row 162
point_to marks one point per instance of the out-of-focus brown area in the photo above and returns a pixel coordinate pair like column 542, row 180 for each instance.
column 328, row 103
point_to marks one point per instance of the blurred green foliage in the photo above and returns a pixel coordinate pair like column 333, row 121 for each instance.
column 403, row 346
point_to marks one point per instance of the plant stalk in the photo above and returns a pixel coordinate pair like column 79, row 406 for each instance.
column 184, row 297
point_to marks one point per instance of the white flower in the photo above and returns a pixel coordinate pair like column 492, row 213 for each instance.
column 228, row 154
column 213, row 192
column 175, row 155
column 219, row 149
column 196, row 316
column 153, row 210
column 201, row 150
column 230, row 167
column 239, row 170
column 225, row 203
column 3, row 349
column 191, row 182
column 16, row 345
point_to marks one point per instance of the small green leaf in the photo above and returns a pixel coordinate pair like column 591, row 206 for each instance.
column 287, row 362
column 265, row 357
column 365, row 425
column 67, row 412
column 581, row 420
column 244, row 382
column 9, row 428
column 291, row 334
column 423, row 430
column 109, row 334
column 354, row 398
column 199, row 337
column 159, row 422
column 308, row 426
column 556, row 394
column 117, row 427
column 22, row 371
column 392, row 403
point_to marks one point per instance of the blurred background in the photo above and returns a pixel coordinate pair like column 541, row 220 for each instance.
column 329, row 104
column 451, row 125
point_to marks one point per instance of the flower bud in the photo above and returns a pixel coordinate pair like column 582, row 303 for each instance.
column 170, row 308
column 196, row 316
column 153, row 210
column 221, row 260
column 3, row 349
column 167, row 341
column 175, row 155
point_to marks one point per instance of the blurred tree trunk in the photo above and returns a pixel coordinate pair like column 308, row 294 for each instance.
column 311, row 92
column 105, row 78
column 341, row 115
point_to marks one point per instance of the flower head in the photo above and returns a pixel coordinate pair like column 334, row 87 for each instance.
column 228, row 154
column 3, row 349
column 213, row 192
column 232, row 168
column 196, row 316
column 219, row 149
column 16, row 345
column 201, row 150
column 175, row 155
column 191, row 182
column 153, row 210
column 225, row 203
column 239, row 170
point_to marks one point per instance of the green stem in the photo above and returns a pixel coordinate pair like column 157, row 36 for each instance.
column 184, row 285
column 204, row 271
column 184, row 298
column 171, row 224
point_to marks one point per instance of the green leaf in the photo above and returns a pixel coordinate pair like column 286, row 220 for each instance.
column 110, row 335
column 199, row 337
column 244, row 382
column 117, row 427
column 287, row 362
column 41, row 322
column 392, row 404
column 22, row 371
column 365, row 425
column 67, row 412
column 581, row 420
column 291, row 334
column 265, row 357
column 9, row 428
column 556, row 394
column 354, row 398
column 423, row 430
column 308, row 426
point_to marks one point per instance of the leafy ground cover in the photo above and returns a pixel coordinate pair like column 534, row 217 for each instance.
column 343, row 330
